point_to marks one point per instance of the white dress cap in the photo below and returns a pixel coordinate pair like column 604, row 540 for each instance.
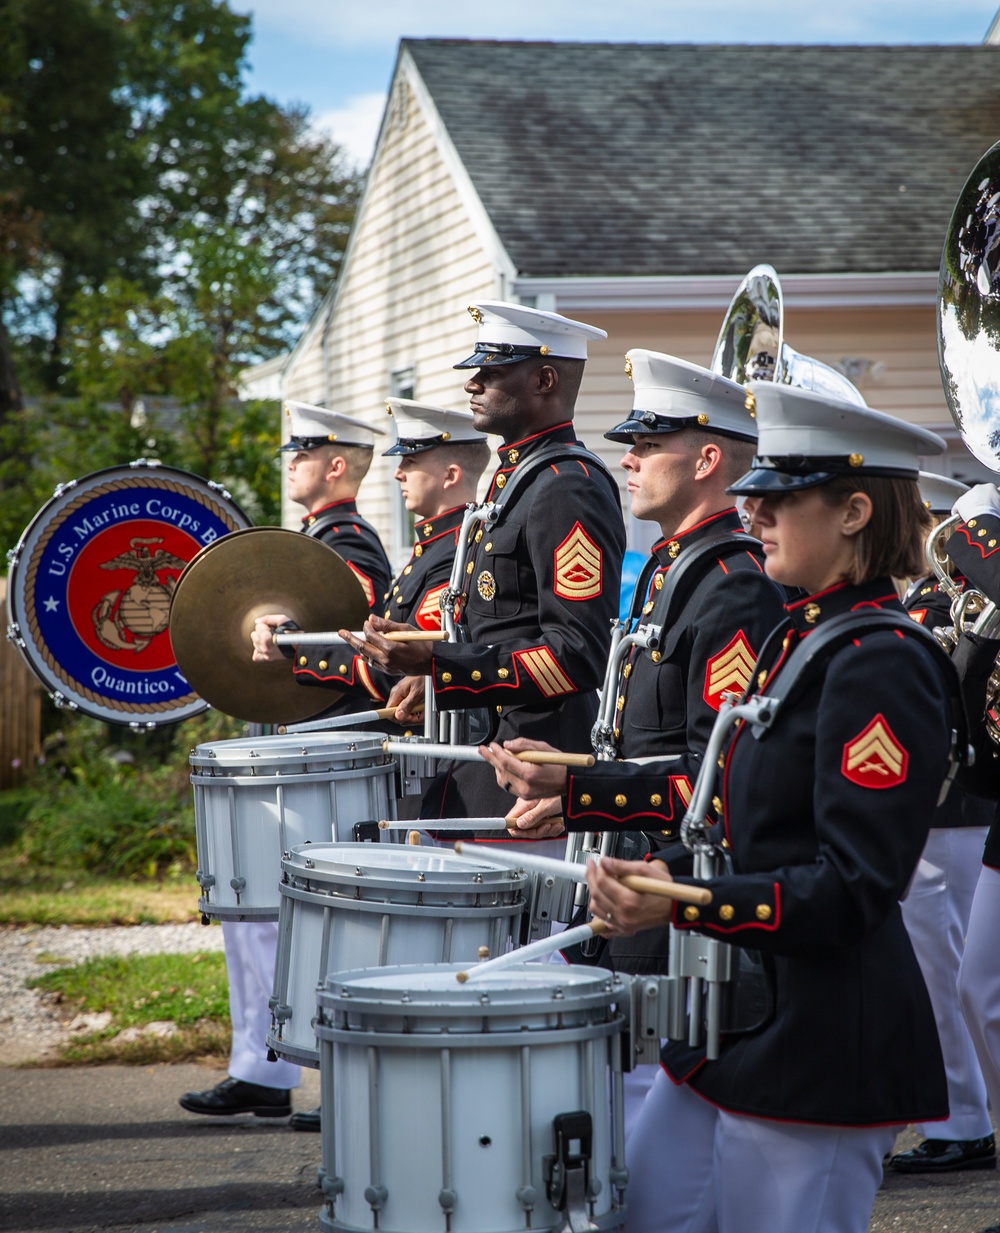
column 420, row 426
column 310, row 426
column 509, row 333
column 671, row 394
column 806, row 439
column 939, row 492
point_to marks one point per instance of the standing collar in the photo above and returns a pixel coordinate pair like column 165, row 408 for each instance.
column 812, row 610
column 430, row 528
column 348, row 506
column 510, row 455
column 668, row 550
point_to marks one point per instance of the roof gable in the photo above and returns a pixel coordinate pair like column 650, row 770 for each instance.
column 648, row 159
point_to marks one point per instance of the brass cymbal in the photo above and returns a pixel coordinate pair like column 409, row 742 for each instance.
column 223, row 590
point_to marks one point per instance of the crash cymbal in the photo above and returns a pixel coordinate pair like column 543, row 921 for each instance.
column 223, row 590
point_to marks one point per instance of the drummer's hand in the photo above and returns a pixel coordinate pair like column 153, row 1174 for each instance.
column 407, row 696
column 399, row 658
column 536, row 819
column 522, row 778
column 626, row 911
column 264, row 650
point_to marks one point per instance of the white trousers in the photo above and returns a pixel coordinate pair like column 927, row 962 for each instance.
column 251, row 947
column 979, row 979
column 695, row 1169
column 936, row 912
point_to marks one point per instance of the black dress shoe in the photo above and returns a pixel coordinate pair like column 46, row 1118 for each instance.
column 305, row 1121
column 234, row 1096
column 947, row 1156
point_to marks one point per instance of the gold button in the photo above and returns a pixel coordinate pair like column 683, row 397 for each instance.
column 981, row 532
column 722, row 761
column 991, row 543
column 477, row 675
column 418, row 550
column 691, row 912
column 499, row 710
column 387, row 614
column 470, row 567
column 322, row 665
column 727, row 911
column 658, row 582
column 971, row 522
column 501, row 481
column 310, row 520
column 395, row 590
column 716, row 804
column 408, row 569
column 855, row 460
column 761, row 678
column 627, row 671
column 787, row 641
column 343, row 669
column 667, row 832
column 586, row 799
column 725, row 844
column 673, row 549
column 479, row 535
column 621, row 702
column 488, row 546
column 656, row 799
column 703, row 419
column 446, row 678
column 763, row 911
column 656, row 656
column 618, row 734
column 503, row 673
column 648, row 609
column 621, row 801
column 513, row 456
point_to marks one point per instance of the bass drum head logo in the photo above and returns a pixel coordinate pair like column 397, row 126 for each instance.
column 91, row 583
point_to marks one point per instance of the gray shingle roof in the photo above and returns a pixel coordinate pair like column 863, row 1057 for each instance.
column 644, row 159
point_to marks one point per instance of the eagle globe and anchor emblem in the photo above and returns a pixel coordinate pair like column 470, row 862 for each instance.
column 131, row 619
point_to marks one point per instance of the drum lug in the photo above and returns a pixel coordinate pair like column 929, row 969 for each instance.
column 447, row 1198
column 567, row 1172
column 238, row 884
column 375, row 1196
column 205, row 880
column 331, row 1186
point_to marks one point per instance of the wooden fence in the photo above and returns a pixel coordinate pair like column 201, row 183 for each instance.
column 20, row 709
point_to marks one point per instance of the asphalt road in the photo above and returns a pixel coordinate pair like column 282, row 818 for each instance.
column 108, row 1148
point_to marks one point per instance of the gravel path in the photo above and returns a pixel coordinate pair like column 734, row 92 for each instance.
column 30, row 1030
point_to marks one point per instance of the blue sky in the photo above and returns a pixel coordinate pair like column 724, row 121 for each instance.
column 337, row 56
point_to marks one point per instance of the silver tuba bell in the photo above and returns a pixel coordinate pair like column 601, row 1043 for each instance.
column 751, row 345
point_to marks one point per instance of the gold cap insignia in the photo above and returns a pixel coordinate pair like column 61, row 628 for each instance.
column 750, row 403
column 628, row 367
column 388, row 409
column 475, row 314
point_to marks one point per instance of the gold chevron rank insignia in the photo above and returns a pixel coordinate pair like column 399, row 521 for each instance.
column 919, row 615
column 428, row 615
column 875, row 758
column 578, row 566
column 366, row 584
column 729, row 671
column 540, row 664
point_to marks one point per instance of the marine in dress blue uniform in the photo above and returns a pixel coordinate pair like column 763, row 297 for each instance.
column 824, row 817
column 936, row 912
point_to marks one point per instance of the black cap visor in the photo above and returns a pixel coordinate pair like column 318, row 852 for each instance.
column 647, row 424
column 294, row 444
column 497, row 355
column 769, row 476
column 413, row 445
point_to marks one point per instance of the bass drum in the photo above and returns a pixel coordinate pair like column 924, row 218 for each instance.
column 90, row 586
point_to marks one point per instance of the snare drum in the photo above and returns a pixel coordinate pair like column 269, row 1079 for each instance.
column 256, row 798
column 345, row 905
column 478, row 1108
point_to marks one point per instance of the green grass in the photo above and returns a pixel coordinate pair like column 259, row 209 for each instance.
column 188, row 990
column 30, row 895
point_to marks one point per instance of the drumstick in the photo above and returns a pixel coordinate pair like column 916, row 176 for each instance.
column 340, row 721
column 535, row 950
column 574, row 872
column 470, row 753
column 298, row 637
column 461, row 824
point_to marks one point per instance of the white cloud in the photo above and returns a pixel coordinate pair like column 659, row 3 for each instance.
column 354, row 126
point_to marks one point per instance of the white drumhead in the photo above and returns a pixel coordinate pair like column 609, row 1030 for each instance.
column 381, row 858
column 262, row 751
column 530, row 979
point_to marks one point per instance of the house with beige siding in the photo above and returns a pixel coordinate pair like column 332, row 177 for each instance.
column 633, row 185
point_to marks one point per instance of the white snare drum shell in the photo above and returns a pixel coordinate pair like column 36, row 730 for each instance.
column 440, row 1098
